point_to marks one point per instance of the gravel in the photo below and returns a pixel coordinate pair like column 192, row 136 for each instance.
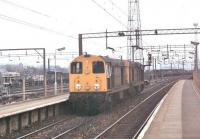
column 103, row 120
column 92, row 124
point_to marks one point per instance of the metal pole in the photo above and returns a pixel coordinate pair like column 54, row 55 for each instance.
column 106, row 40
column 137, row 38
column 23, row 88
column 178, row 61
column 149, row 72
column 61, row 82
column 45, row 75
column 143, row 61
column 195, row 60
column 184, row 52
column 196, row 44
column 196, row 55
column 132, row 53
column 161, row 70
column 80, row 44
column 136, row 44
column 55, row 80
column 155, row 68
column 167, row 51
column 171, row 66
column 153, row 71
column 48, row 64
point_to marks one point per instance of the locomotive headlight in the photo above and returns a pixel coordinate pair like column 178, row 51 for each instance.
column 96, row 86
column 78, row 86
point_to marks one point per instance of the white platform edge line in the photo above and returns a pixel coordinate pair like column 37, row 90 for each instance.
column 141, row 135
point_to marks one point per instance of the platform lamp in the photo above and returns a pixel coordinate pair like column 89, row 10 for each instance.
column 55, row 81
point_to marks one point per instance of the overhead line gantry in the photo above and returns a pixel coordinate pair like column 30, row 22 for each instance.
column 152, row 32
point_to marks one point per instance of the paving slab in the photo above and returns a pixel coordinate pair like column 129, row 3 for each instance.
column 179, row 115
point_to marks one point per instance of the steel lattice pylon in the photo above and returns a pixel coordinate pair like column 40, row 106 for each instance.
column 134, row 41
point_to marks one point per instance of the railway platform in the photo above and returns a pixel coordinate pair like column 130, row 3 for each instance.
column 19, row 115
column 178, row 116
column 20, row 107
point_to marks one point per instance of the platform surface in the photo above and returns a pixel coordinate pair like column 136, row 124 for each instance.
column 179, row 115
column 21, row 107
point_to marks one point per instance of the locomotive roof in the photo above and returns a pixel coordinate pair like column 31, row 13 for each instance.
column 111, row 60
column 108, row 59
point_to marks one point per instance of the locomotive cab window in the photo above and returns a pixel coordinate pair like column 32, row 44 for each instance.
column 76, row 67
column 98, row 67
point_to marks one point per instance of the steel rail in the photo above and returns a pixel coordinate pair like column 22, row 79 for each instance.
column 125, row 115
column 148, row 118
column 66, row 132
column 70, row 130
column 41, row 129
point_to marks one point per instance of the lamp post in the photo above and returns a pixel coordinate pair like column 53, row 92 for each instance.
column 178, row 60
column 55, row 81
column 160, row 63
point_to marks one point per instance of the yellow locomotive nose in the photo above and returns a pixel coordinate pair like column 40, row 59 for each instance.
column 87, row 87
column 87, row 75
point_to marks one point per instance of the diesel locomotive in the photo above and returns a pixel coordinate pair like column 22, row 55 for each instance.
column 97, row 81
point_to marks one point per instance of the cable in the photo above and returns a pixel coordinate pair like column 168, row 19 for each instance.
column 19, row 21
column 25, row 8
column 109, row 13
column 30, row 10
column 122, row 11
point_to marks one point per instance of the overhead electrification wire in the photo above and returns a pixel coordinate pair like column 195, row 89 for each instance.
column 122, row 11
column 19, row 21
column 26, row 8
column 109, row 13
column 29, row 9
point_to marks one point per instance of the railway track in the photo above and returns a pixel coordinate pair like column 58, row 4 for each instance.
column 41, row 129
column 128, row 125
column 65, row 132
column 149, row 118
column 49, row 130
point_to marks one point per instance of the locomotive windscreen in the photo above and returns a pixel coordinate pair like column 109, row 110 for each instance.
column 76, row 68
column 98, row 67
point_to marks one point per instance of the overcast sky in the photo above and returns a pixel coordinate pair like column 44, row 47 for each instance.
column 60, row 22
